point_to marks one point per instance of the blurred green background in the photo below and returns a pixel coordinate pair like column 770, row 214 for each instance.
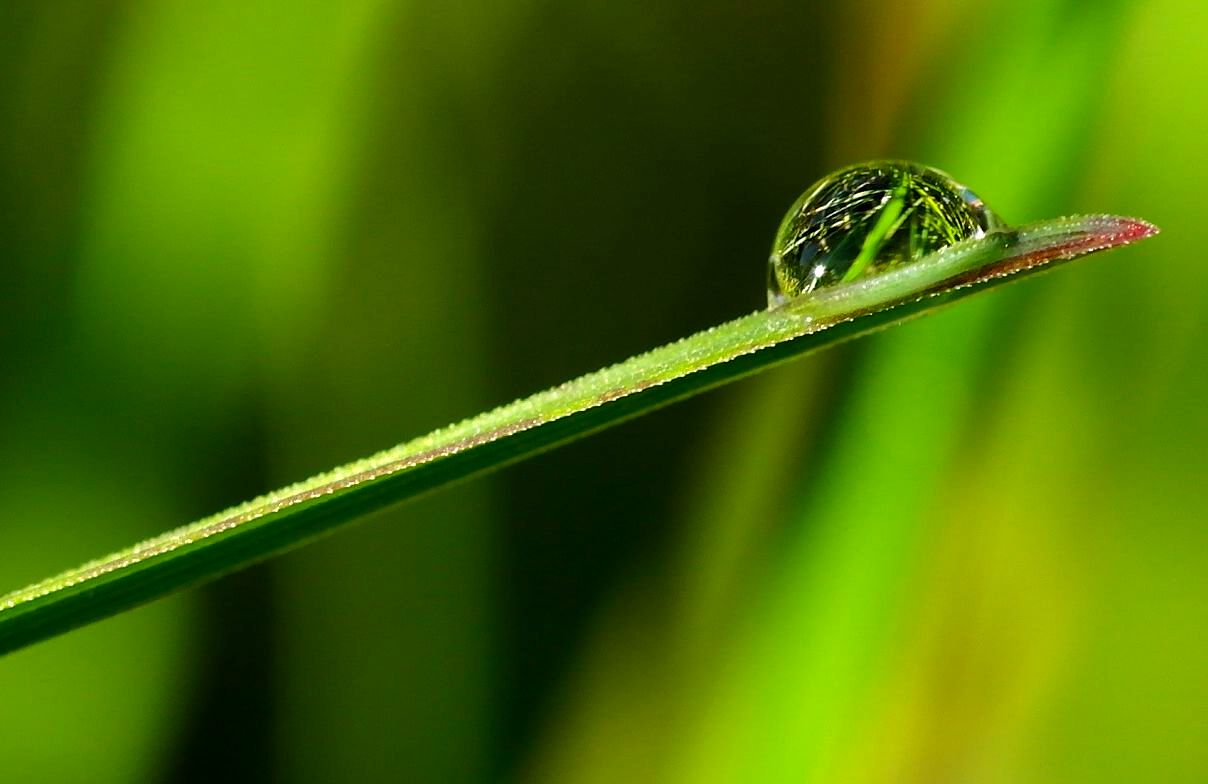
column 246, row 241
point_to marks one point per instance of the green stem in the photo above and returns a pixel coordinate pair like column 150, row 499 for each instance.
column 288, row 517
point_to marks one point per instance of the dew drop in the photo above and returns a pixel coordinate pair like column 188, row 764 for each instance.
column 866, row 219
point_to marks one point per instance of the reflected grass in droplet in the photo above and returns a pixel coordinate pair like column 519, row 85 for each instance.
column 869, row 218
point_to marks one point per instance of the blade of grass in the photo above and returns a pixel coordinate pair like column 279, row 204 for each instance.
column 283, row 519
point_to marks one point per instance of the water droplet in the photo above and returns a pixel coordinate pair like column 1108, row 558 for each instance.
column 866, row 219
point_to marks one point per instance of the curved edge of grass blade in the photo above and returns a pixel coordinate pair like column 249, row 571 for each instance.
column 288, row 517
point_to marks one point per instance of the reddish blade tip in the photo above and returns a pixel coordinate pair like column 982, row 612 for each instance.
column 1118, row 230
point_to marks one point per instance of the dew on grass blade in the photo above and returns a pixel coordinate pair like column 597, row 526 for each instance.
column 866, row 219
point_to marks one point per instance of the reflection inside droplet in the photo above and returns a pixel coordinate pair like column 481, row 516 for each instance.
column 865, row 219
